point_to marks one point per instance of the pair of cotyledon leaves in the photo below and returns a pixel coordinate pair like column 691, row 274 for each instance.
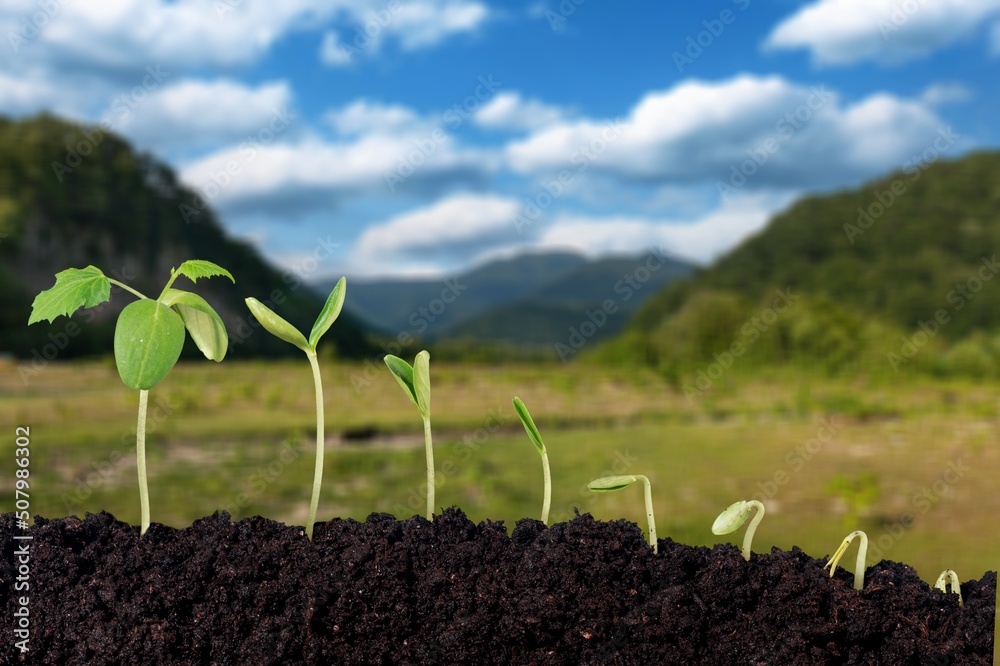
column 149, row 334
column 280, row 328
column 415, row 379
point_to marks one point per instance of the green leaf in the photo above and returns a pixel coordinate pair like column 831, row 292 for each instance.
column 277, row 326
column 403, row 373
column 149, row 337
column 202, row 322
column 332, row 308
column 529, row 425
column 74, row 288
column 199, row 268
column 422, row 382
column 732, row 518
column 606, row 484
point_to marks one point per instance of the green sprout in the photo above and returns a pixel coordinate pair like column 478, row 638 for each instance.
column 733, row 518
column 415, row 381
column 607, row 484
column 280, row 328
column 536, row 439
column 859, row 566
column 149, row 335
column 949, row 576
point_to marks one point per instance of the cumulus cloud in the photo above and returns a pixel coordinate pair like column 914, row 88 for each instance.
column 844, row 32
column 363, row 116
column 939, row 94
column 698, row 132
column 508, row 110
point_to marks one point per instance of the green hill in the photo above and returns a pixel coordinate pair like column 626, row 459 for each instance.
column 904, row 260
column 72, row 196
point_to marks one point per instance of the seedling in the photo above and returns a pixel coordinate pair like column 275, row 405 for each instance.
column 948, row 576
column 280, row 328
column 733, row 518
column 415, row 381
column 149, row 335
column 607, row 484
column 536, row 439
column 859, row 566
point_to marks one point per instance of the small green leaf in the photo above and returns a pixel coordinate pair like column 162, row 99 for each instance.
column 329, row 313
column 149, row 337
column 732, row 518
column 403, row 373
column 74, row 288
column 606, row 484
column 422, row 382
column 199, row 268
column 529, row 425
column 202, row 322
column 277, row 326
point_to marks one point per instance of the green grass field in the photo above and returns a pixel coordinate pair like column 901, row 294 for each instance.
column 912, row 461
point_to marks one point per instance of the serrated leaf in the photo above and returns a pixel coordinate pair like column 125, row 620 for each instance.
column 149, row 337
column 331, row 310
column 529, row 425
column 276, row 325
column 422, row 382
column 74, row 288
column 608, row 483
column 202, row 322
column 403, row 373
column 193, row 269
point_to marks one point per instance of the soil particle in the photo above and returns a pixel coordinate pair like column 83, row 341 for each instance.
column 257, row 592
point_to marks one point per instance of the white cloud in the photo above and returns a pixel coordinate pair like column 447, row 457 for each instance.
column 333, row 52
column 700, row 132
column 844, row 32
column 939, row 94
column 362, row 117
column 191, row 113
column 508, row 110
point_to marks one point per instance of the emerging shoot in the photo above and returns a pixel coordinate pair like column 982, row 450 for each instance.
column 280, row 328
column 733, row 518
column 859, row 566
column 415, row 381
column 536, row 439
column 611, row 483
column 948, row 576
column 149, row 335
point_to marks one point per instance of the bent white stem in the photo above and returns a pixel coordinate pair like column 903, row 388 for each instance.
column 748, row 537
column 648, row 492
column 949, row 576
column 320, row 444
column 859, row 566
column 547, row 489
column 140, row 461
column 428, row 446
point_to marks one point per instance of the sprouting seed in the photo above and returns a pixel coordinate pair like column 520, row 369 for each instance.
column 949, row 576
column 607, row 484
column 859, row 566
column 733, row 518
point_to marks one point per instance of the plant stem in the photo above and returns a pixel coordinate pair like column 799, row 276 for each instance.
column 547, row 491
column 430, row 467
column 748, row 537
column 127, row 288
column 648, row 491
column 140, row 460
column 320, row 444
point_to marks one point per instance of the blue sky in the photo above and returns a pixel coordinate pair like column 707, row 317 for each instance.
column 418, row 137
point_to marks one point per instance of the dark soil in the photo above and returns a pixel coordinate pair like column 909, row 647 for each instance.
column 451, row 592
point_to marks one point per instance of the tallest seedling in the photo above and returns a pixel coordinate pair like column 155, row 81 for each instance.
column 149, row 334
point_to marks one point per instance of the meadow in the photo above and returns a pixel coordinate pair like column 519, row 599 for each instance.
column 910, row 459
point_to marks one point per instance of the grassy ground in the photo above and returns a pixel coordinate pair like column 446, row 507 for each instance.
column 913, row 462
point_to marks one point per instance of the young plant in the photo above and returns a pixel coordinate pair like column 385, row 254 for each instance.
column 859, row 566
column 948, row 576
column 733, row 518
column 149, row 334
column 280, row 328
column 415, row 381
column 607, row 484
column 536, row 439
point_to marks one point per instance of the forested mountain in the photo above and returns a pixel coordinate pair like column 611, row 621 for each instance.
column 866, row 268
column 72, row 196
